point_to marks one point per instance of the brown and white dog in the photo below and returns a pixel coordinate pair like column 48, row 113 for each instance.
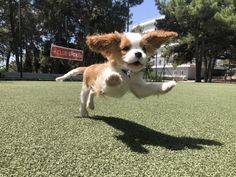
column 124, row 52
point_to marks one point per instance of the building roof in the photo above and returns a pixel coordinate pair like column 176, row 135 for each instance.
column 149, row 22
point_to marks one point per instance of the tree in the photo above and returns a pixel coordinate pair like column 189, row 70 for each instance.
column 9, row 32
column 5, row 45
column 129, row 4
column 65, row 21
column 200, row 29
column 138, row 29
column 227, row 16
column 62, row 22
column 11, row 21
column 84, row 18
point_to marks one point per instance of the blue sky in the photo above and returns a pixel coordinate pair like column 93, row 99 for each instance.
column 146, row 11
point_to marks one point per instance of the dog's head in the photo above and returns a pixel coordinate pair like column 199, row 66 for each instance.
column 130, row 50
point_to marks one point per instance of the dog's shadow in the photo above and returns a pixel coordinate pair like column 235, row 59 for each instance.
column 136, row 135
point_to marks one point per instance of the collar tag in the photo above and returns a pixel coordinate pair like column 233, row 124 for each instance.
column 126, row 72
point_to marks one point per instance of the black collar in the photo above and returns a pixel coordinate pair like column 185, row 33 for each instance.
column 126, row 72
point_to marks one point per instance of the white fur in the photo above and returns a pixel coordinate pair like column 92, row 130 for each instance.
column 112, row 91
column 135, row 39
column 68, row 75
column 84, row 95
column 130, row 56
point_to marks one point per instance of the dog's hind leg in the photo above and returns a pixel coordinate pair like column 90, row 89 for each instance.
column 84, row 99
column 73, row 72
column 90, row 102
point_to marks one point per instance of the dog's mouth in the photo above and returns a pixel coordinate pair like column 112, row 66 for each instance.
column 136, row 64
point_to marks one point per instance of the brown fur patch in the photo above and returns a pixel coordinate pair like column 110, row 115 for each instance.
column 125, row 42
column 104, row 44
column 81, row 70
column 113, row 80
column 153, row 40
column 92, row 72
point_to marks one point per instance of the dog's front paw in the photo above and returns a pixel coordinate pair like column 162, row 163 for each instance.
column 91, row 105
column 114, row 80
column 83, row 112
column 167, row 86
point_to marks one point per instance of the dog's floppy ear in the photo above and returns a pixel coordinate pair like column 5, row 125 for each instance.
column 104, row 43
column 153, row 40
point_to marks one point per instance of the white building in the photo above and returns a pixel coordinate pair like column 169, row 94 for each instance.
column 162, row 65
column 148, row 25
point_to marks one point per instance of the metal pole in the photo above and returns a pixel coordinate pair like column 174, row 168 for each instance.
column 128, row 16
column 156, row 66
column 164, row 67
column 21, row 63
column 66, row 30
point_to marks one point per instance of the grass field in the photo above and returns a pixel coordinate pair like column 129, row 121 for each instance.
column 190, row 131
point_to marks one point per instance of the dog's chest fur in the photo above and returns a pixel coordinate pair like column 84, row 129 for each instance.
column 117, row 89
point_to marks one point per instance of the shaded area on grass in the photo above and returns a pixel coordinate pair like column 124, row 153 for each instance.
column 136, row 135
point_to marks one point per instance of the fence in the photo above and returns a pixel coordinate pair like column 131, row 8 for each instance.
column 34, row 76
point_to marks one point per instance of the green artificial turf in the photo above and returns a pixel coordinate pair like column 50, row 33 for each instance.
column 190, row 131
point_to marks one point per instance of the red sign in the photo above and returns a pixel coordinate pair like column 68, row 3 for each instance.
column 66, row 53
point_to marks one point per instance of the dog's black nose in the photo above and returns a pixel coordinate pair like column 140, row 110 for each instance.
column 138, row 54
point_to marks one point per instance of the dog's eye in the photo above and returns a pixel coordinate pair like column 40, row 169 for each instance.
column 126, row 48
column 144, row 49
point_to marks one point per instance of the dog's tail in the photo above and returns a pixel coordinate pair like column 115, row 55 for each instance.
column 73, row 72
